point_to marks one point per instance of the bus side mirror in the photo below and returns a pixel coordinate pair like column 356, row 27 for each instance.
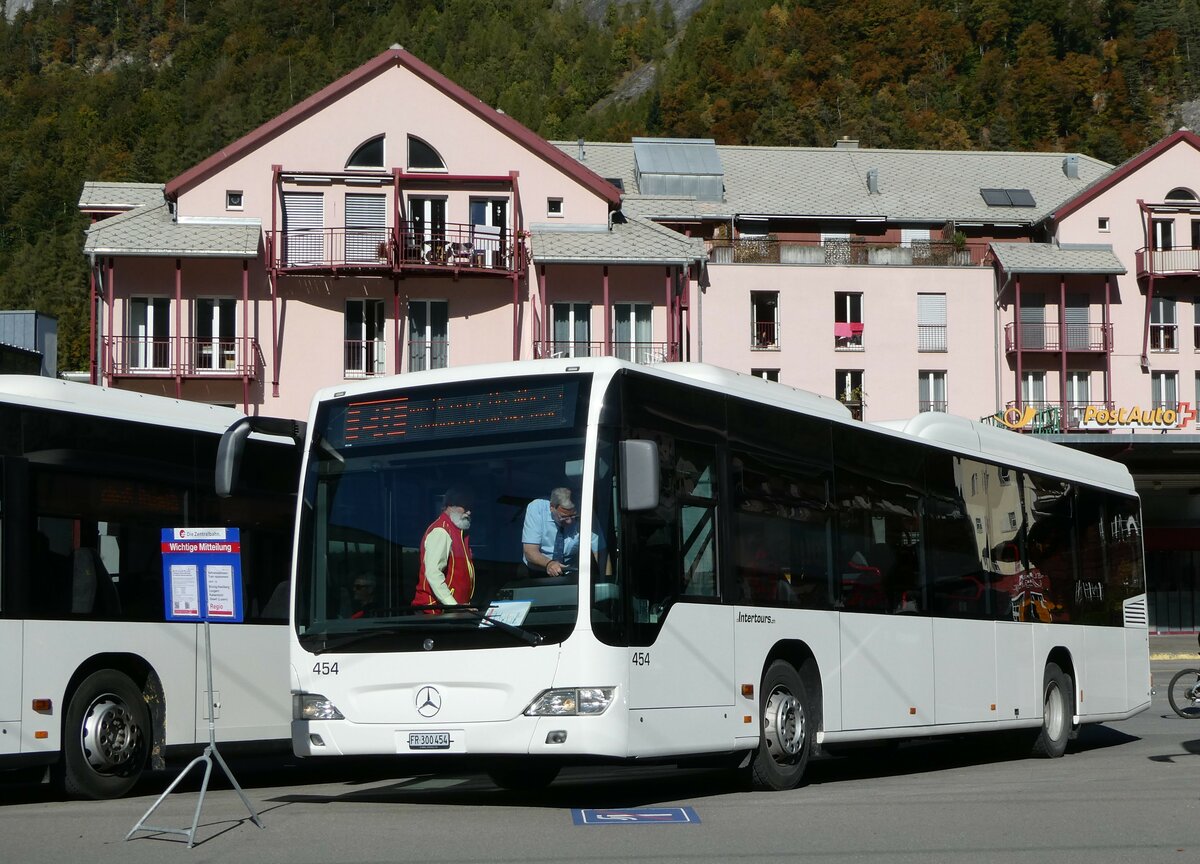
column 229, row 456
column 639, row 475
column 233, row 445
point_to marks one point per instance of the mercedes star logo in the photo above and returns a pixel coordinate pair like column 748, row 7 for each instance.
column 429, row 701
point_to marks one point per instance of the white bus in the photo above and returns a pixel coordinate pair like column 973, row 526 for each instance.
column 770, row 576
column 93, row 683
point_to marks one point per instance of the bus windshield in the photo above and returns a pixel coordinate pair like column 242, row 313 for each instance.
column 420, row 509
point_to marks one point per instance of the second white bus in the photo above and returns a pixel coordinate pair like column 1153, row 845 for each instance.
column 771, row 577
column 93, row 683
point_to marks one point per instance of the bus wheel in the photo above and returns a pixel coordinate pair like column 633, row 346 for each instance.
column 787, row 731
column 525, row 776
column 106, row 737
column 1057, row 709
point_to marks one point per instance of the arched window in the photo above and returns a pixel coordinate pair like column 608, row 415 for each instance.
column 368, row 155
column 422, row 157
column 1181, row 194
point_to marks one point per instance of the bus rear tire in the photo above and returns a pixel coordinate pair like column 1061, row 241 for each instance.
column 1057, row 711
column 528, row 775
column 106, row 737
column 787, row 730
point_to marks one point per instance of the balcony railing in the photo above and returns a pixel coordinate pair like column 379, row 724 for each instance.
column 1167, row 262
column 922, row 253
column 1045, row 417
column 939, row 405
column 642, row 353
column 428, row 354
column 189, row 356
column 365, row 358
column 764, row 335
column 1096, row 338
column 458, row 247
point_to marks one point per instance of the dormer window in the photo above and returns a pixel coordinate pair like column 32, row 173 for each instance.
column 368, row 155
column 422, row 157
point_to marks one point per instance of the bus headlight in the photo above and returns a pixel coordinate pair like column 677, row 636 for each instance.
column 571, row 701
column 314, row 706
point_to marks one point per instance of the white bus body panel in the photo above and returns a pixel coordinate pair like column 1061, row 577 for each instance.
column 965, row 671
column 757, row 631
column 1018, row 672
column 483, row 696
column 681, row 688
column 249, row 675
column 890, row 661
column 10, row 686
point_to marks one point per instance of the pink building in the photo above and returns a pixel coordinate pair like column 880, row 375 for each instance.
column 392, row 222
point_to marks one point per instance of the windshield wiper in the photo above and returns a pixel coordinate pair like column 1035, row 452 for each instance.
column 529, row 637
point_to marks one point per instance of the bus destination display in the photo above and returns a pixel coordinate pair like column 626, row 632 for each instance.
column 463, row 414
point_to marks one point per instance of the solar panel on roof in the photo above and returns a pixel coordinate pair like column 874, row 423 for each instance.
column 995, row 197
column 1020, row 197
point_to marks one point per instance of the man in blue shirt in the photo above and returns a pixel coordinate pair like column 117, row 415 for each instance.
column 550, row 537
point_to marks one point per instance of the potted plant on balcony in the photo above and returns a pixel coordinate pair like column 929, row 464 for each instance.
column 855, row 400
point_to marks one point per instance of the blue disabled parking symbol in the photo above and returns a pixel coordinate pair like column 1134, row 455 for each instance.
column 636, row 816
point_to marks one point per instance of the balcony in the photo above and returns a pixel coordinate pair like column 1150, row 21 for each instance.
column 457, row 249
column 364, row 358
column 848, row 336
column 1085, row 338
column 1167, row 262
column 940, row 406
column 186, row 356
column 764, row 335
column 854, row 251
column 642, row 353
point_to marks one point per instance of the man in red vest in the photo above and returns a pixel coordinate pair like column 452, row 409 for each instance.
column 447, row 576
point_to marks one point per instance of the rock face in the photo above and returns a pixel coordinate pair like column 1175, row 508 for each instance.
column 12, row 7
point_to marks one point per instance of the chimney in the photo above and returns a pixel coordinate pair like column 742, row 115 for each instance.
column 847, row 143
column 873, row 181
column 1071, row 166
column 582, row 152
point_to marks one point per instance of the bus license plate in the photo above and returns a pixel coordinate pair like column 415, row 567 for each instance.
column 428, row 740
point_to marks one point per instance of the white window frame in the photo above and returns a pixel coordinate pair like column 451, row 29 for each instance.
column 435, row 352
column 150, row 339
column 764, row 333
column 577, row 313
column 641, row 323
column 1164, row 389
column 365, row 353
column 218, row 351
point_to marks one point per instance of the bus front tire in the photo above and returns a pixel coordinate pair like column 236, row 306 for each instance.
column 106, row 737
column 787, row 730
column 1057, row 711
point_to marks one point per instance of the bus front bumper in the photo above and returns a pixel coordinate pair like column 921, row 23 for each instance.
column 603, row 735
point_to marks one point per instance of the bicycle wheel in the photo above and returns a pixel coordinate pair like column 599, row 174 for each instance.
column 1184, row 693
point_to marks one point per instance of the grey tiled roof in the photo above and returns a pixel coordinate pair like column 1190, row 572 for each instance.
column 915, row 185
column 119, row 196
column 638, row 241
column 151, row 232
column 1052, row 258
column 667, row 209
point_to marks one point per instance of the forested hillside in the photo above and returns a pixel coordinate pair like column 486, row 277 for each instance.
column 139, row 90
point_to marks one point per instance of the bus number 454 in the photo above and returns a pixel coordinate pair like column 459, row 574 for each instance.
column 641, row 658
column 325, row 668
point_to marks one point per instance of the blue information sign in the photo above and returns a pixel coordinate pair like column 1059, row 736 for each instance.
column 636, row 816
column 202, row 574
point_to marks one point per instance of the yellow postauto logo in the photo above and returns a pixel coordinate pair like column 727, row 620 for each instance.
column 1138, row 418
column 1115, row 418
